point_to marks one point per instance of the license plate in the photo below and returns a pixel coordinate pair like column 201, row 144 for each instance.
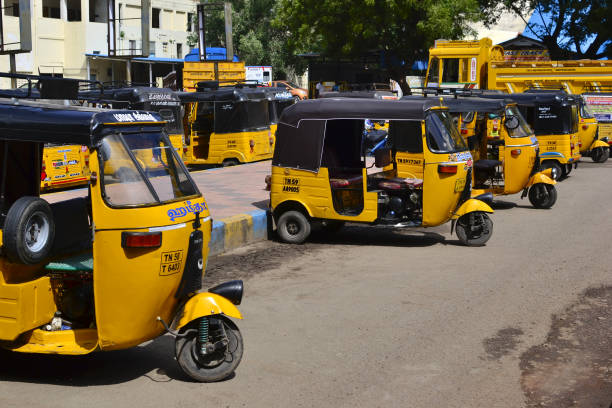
column 459, row 185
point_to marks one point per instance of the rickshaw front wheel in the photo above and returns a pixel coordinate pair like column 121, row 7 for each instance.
column 215, row 360
column 293, row 227
column 29, row 230
column 600, row 154
column 474, row 229
column 542, row 195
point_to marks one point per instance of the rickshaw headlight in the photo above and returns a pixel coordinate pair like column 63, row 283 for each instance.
column 231, row 290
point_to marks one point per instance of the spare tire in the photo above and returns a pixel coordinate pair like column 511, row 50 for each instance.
column 29, row 230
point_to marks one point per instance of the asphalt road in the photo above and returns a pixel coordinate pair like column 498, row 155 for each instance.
column 382, row 318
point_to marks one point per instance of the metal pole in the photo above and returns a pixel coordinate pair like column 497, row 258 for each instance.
column 128, row 71
column 13, row 70
column 88, row 68
column 151, row 75
column 229, row 43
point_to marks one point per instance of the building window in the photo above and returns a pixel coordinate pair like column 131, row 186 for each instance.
column 132, row 47
column 74, row 10
column 152, row 48
column 51, row 9
column 12, row 9
column 179, row 50
column 98, row 13
column 190, row 22
column 155, row 18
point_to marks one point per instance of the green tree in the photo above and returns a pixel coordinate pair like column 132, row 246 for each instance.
column 403, row 29
column 569, row 28
column 256, row 40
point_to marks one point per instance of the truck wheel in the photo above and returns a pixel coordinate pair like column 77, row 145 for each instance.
column 224, row 348
column 29, row 230
column 542, row 195
column 293, row 227
column 474, row 229
column 600, row 154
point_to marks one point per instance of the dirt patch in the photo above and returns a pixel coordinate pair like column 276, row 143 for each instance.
column 573, row 367
column 502, row 343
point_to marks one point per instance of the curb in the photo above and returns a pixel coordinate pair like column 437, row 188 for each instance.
column 238, row 230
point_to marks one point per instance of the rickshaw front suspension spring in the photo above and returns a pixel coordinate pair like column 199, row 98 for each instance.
column 203, row 333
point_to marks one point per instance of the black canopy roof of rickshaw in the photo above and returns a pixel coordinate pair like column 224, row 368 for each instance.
column 535, row 98
column 224, row 94
column 357, row 108
column 43, row 122
column 468, row 103
column 368, row 94
column 134, row 94
column 301, row 129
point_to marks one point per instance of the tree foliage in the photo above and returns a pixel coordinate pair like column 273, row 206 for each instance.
column 256, row 40
column 569, row 28
column 403, row 29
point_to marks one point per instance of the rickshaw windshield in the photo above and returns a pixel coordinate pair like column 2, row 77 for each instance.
column 585, row 111
column 523, row 129
column 141, row 169
column 172, row 115
column 243, row 116
column 442, row 135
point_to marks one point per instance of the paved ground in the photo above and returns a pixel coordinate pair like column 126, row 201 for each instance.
column 383, row 318
column 228, row 191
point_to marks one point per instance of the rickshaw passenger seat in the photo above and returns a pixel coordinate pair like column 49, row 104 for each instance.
column 486, row 164
column 78, row 263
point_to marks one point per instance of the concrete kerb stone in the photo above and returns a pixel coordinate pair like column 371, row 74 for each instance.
column 236, row 231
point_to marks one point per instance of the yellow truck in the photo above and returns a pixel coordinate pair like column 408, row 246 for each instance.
column 481, row 65
column 227, row 73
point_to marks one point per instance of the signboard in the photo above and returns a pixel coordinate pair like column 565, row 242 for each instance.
column 473, row 69
column 600, row 105
column 526, row 55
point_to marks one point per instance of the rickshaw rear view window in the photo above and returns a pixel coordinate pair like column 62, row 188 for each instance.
column 442, row 135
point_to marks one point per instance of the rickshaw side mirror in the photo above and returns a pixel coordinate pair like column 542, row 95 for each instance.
column 512, row 122
column 383, row 157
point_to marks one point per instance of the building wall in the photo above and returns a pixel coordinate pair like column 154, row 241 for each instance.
column 62, row 34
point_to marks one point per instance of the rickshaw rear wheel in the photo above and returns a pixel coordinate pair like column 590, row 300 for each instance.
column 542, row 195
column 293, row 227
column 474, row 229
column 230, row 162
column 600, row 154
column 29, row 230
column 214, row 365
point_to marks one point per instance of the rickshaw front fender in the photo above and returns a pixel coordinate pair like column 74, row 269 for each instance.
column 599, row 143
column 472, row 205
column 206, row 304
column 541, row 177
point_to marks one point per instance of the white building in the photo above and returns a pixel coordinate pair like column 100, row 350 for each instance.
column 69, row 38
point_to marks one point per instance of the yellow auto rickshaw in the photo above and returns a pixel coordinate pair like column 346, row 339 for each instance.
column 504, row 149
column 64, row 166
column 553, row 116
column 588, row 132
column 226, row 125
column 118, row 267
column 320, row 173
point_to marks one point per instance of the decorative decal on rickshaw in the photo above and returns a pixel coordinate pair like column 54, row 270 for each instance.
column 291, row 185
column 416, row 162
column 170, row 262
column 460, row 157
column 186, row 209
column 134, row 117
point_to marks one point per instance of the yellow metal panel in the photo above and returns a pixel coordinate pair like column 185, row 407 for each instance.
column 472, row 205
column 24, row 306
column 73, row 342
column 517, row 168
column 206, row 304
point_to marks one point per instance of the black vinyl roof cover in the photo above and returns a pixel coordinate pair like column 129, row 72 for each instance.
column 535, row 98
column 301, row 129
column 223, row 94
column 468, row 104
column 357, row 108
column 60, row 124
column 358, row 94
column 133, row 94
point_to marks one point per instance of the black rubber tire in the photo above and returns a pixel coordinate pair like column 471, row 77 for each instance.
column 550, row 164
column 293, row 227
column 600, row 154
column 29, row 230
column 540, row 198
column 186, row 352
column 230, row 162
column 567, row 169
column 471, row 239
